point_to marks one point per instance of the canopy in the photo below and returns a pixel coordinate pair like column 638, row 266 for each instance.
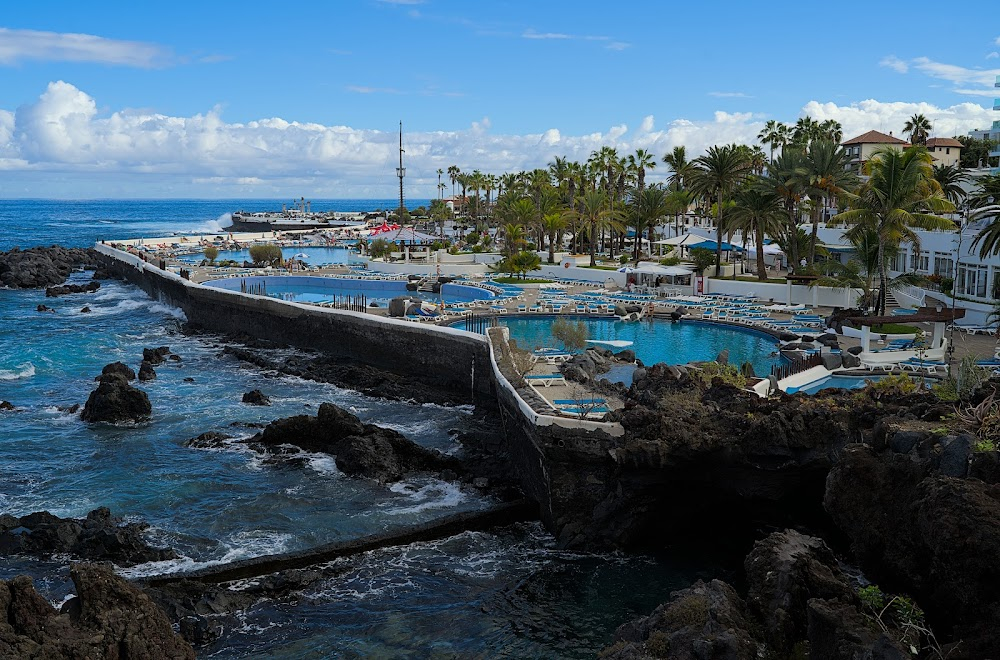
column 409, row 235
column 769, row 248
column 383, row 228
column 712, row 245
column 656, row 269
column 686, row 240
column 301, row 255
column 626, row 269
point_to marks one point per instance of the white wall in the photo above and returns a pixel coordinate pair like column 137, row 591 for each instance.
column 821, row 295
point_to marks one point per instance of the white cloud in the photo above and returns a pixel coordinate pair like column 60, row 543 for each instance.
column 894, row 63
column 19, row 45
column 954, row 73
column 993, row 55
column 143, row 153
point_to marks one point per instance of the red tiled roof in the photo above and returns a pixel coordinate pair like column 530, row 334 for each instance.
column 874, row 137
column 944, row 142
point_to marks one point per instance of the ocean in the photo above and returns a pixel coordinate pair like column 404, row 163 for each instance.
column 508, row 593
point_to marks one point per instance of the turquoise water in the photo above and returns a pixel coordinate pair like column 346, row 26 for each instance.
column 319, row 289
column 318, row 256
column 660, row 340
column 507, row 593
column 839, row 382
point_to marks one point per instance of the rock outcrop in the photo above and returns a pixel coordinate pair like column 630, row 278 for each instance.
column 117, row 368
column 155, row 356
column 41, row 266
column 799, row 604
column 935, row 535
column 7, row 406
column 116, row 401
column 66, row 289
column 108, row 618
column 146, row 371
column 360, row 449
column 98, row 537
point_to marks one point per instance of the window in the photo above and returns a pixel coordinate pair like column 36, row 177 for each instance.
column 918, row 261
column 943, row 264
column 973, row 280
column 947, row 150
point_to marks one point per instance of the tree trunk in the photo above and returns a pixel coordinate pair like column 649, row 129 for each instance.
column 718, row 236
column 759, row 239
column 883, row 279
column 593, row 243
column 793, row 243
column 812, row 239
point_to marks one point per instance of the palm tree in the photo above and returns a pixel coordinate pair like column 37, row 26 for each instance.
column 440, row 187
column 918, row 128
column 453, row 173
column 680, row 167
column 759, row 213
column 787, row 178
column 553, row 224
column 989, row 235
column 806, row 130
column 951, row 178
column 680, row 201
column 775, row 134
column 892, row 202
column 641, row 161
column 718, row 173
column 513, row 237
column 646, row 207
column 596, row 213
column 828, row 176
column 831, row 130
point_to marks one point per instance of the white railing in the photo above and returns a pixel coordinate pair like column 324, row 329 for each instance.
column 909, row 296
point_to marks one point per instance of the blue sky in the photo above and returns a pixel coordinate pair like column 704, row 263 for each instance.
column 169, row 98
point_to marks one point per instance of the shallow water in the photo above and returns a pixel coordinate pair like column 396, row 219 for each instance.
column 485, row 594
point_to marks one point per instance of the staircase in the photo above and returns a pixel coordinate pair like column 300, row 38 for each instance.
column 890, row 303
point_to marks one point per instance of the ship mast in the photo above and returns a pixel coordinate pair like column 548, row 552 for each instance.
column 401, row 172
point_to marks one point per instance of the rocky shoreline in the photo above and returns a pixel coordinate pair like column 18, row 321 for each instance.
column 42, row 267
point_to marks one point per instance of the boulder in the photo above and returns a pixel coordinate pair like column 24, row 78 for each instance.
column 98, row 537
column 360, row 449
column 850, row 360
column 985, row 466
column 837, row 631
column 627, row 355
column 955, row 454
column 116, row 401
column 85, row 310
column 256, row 398
column 704, row 621
column 44, row 308
column 108, row 618
column 66, row 289
column 208, row 440
column 723, row 357
column 155, row 356
column 832, row 361
column 146, row 371
column 7, row 406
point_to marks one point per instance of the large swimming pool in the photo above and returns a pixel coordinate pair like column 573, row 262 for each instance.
column 660, row 340
column 318, row 256
column 302, row 288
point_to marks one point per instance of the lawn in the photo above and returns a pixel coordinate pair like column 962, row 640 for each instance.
column 895, row 329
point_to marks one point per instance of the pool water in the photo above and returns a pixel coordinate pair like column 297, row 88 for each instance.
column 838, row 382
column 301, row 288
column 660, row 340
column 318, row 256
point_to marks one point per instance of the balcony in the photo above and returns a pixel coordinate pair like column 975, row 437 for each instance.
column 996, row 104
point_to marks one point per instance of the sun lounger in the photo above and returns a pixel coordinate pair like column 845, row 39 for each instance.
column 930, row 366
column 598, row 411
column 545, row 380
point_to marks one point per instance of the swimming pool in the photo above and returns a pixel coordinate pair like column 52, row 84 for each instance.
column 318, row 256
column 661, row 340
column 838, row 382
column 302, row 288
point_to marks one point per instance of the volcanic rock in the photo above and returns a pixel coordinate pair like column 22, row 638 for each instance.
column 44, row 308
column 65, row 289
column 108, row 618
column 360, row 449
column 7, row 405
column 155, row 356
column 256, row 398
column 117, row 368
column 85, row 310
column 208, row 440
column 98, row 537
column 935, row 534
column 41, row 266
column 116, row 401
column 146, row 371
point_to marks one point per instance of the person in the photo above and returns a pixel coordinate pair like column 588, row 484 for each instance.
column 803, row 262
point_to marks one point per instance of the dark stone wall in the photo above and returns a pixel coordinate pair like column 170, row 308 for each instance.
column 446, row 358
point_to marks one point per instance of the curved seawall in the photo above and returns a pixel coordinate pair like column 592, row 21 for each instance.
column 444, row 358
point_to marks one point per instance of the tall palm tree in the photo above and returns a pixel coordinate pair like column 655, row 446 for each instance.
column 553, row 225
column 787, row 178
column 641, row 161
column 759, row 213
column 440, row 188
column 680, row 201
column 775, row 134
column 453, row 173
column 647, row 205
column 828, row 176
column 989, row 235
column 596, row 214
column 951, row 178
column 892, row 202
column 831, row 130
column 717, row 174
column 918, row 127
column 680, row 167
column 806, row 130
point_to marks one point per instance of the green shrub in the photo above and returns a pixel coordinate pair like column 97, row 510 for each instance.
column 702, row 258
column 266, row 254
column 380, row 248
column 893, row 384
column 670, row 261
column 572, row 334
column 211, row 253
column 728, row 373
column 946, row 390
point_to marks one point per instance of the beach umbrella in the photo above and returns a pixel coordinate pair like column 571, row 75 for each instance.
column 626, row 269
column 301, row 255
